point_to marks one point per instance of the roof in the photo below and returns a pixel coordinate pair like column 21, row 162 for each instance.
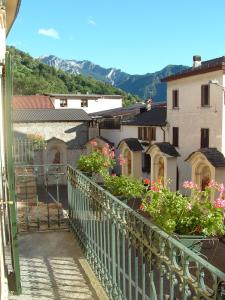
column 49, row 115
column 154, row 117
column 166, row 148
column 214, row 156
column 83, row 96
column 132, row 143
column 32, row 102
column 205, row 67
column 12, row 9
column 119, row 111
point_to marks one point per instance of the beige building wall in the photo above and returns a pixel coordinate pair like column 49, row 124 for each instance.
column 190, row 117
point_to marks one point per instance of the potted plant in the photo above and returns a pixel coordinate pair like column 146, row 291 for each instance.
column 125, row 188
column 192, row 217
column 99, row 162
column 38, row 140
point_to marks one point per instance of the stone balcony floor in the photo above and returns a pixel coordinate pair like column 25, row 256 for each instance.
column 53, row 267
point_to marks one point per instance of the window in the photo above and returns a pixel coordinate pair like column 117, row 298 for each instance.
column 146, row 163
column 151, row 133
column 63, row 102
column 204, row 137
column 175, row 136
column 110, row 123
column 147, row 133
column 84, row 103
column 205, row 101
column 175, row 98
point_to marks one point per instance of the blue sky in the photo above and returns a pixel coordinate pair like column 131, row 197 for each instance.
column 136, row 36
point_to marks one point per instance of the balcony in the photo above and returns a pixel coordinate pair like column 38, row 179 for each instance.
column 131, row 257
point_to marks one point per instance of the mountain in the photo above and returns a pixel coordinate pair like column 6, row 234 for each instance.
column 31, row 76
column 144, row 86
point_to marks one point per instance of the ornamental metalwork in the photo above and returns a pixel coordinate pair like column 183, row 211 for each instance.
column 132, row 257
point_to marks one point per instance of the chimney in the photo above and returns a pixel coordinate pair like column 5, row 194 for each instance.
column 197, row 61
column 148, row 104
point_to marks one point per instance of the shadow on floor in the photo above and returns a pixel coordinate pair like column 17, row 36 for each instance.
column 51, row 268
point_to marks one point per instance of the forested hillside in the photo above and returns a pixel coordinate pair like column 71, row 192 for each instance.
column 31, row 76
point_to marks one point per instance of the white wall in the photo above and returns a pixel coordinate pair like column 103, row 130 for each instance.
column 116, row 135
column 190, row 117
column 99, row 104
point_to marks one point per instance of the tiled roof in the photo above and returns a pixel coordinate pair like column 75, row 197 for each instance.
column 215, row 157
column 49, row 115
column 32, row 102
column 132, row 143
column 154, row 117
column 205, row 67
column 166, row 148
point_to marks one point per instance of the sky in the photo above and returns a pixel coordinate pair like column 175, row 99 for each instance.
column 136, row 36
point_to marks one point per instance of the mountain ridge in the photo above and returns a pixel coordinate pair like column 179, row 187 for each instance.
column 145, row 85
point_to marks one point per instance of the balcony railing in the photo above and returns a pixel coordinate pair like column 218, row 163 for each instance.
column 133, row 258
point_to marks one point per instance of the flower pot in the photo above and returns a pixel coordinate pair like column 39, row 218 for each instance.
column 193, row 242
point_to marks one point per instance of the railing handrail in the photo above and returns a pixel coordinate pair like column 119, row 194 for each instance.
column 155, row 228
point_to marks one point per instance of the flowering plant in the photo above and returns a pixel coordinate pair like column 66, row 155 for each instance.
column 196, row 214
column 124, row 186
column 98, row 161
column 38, row 140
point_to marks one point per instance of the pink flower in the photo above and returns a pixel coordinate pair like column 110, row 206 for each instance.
column 219, row 203
column 112, row 154
column 105, row 151
column 113, row 175
column 122, row 161
column 190, row 185
column 94, row 143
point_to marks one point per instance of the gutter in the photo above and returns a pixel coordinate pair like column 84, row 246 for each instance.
column 15, row 15
column 164, row 133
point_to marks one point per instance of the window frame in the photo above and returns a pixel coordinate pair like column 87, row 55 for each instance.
column 84, row 103
column 204, row 141
column 175, row 136
column 205, row 95
column 175, row 99
column 63, row 102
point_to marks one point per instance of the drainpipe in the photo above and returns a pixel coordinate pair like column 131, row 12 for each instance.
column 164, row 133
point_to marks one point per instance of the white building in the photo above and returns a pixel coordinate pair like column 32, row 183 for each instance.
column 131, row 130
column 88, row 102
column 196, row 121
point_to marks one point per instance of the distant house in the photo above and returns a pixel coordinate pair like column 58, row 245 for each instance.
column 88, row 102
column 65, row 131
column 132, row 130
column 196, row 118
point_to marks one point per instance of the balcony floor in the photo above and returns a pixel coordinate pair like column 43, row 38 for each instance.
column 53, row 267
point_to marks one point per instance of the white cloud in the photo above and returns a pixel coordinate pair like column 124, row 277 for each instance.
column 51, row 32
column 91, row 22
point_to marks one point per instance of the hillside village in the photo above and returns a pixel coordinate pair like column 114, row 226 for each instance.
column 157, row 140
column 144, row 219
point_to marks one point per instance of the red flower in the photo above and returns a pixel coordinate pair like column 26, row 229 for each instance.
column 142, row 207
column 146, row 181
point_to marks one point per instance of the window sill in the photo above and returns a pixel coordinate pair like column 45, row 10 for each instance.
column 176, row 108
column 205, row 106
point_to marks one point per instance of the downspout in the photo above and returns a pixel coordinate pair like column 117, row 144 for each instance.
column 164, row 133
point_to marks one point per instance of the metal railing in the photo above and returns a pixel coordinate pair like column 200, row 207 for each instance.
column 23, row 151
column 41, row 195
column 133, row 258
